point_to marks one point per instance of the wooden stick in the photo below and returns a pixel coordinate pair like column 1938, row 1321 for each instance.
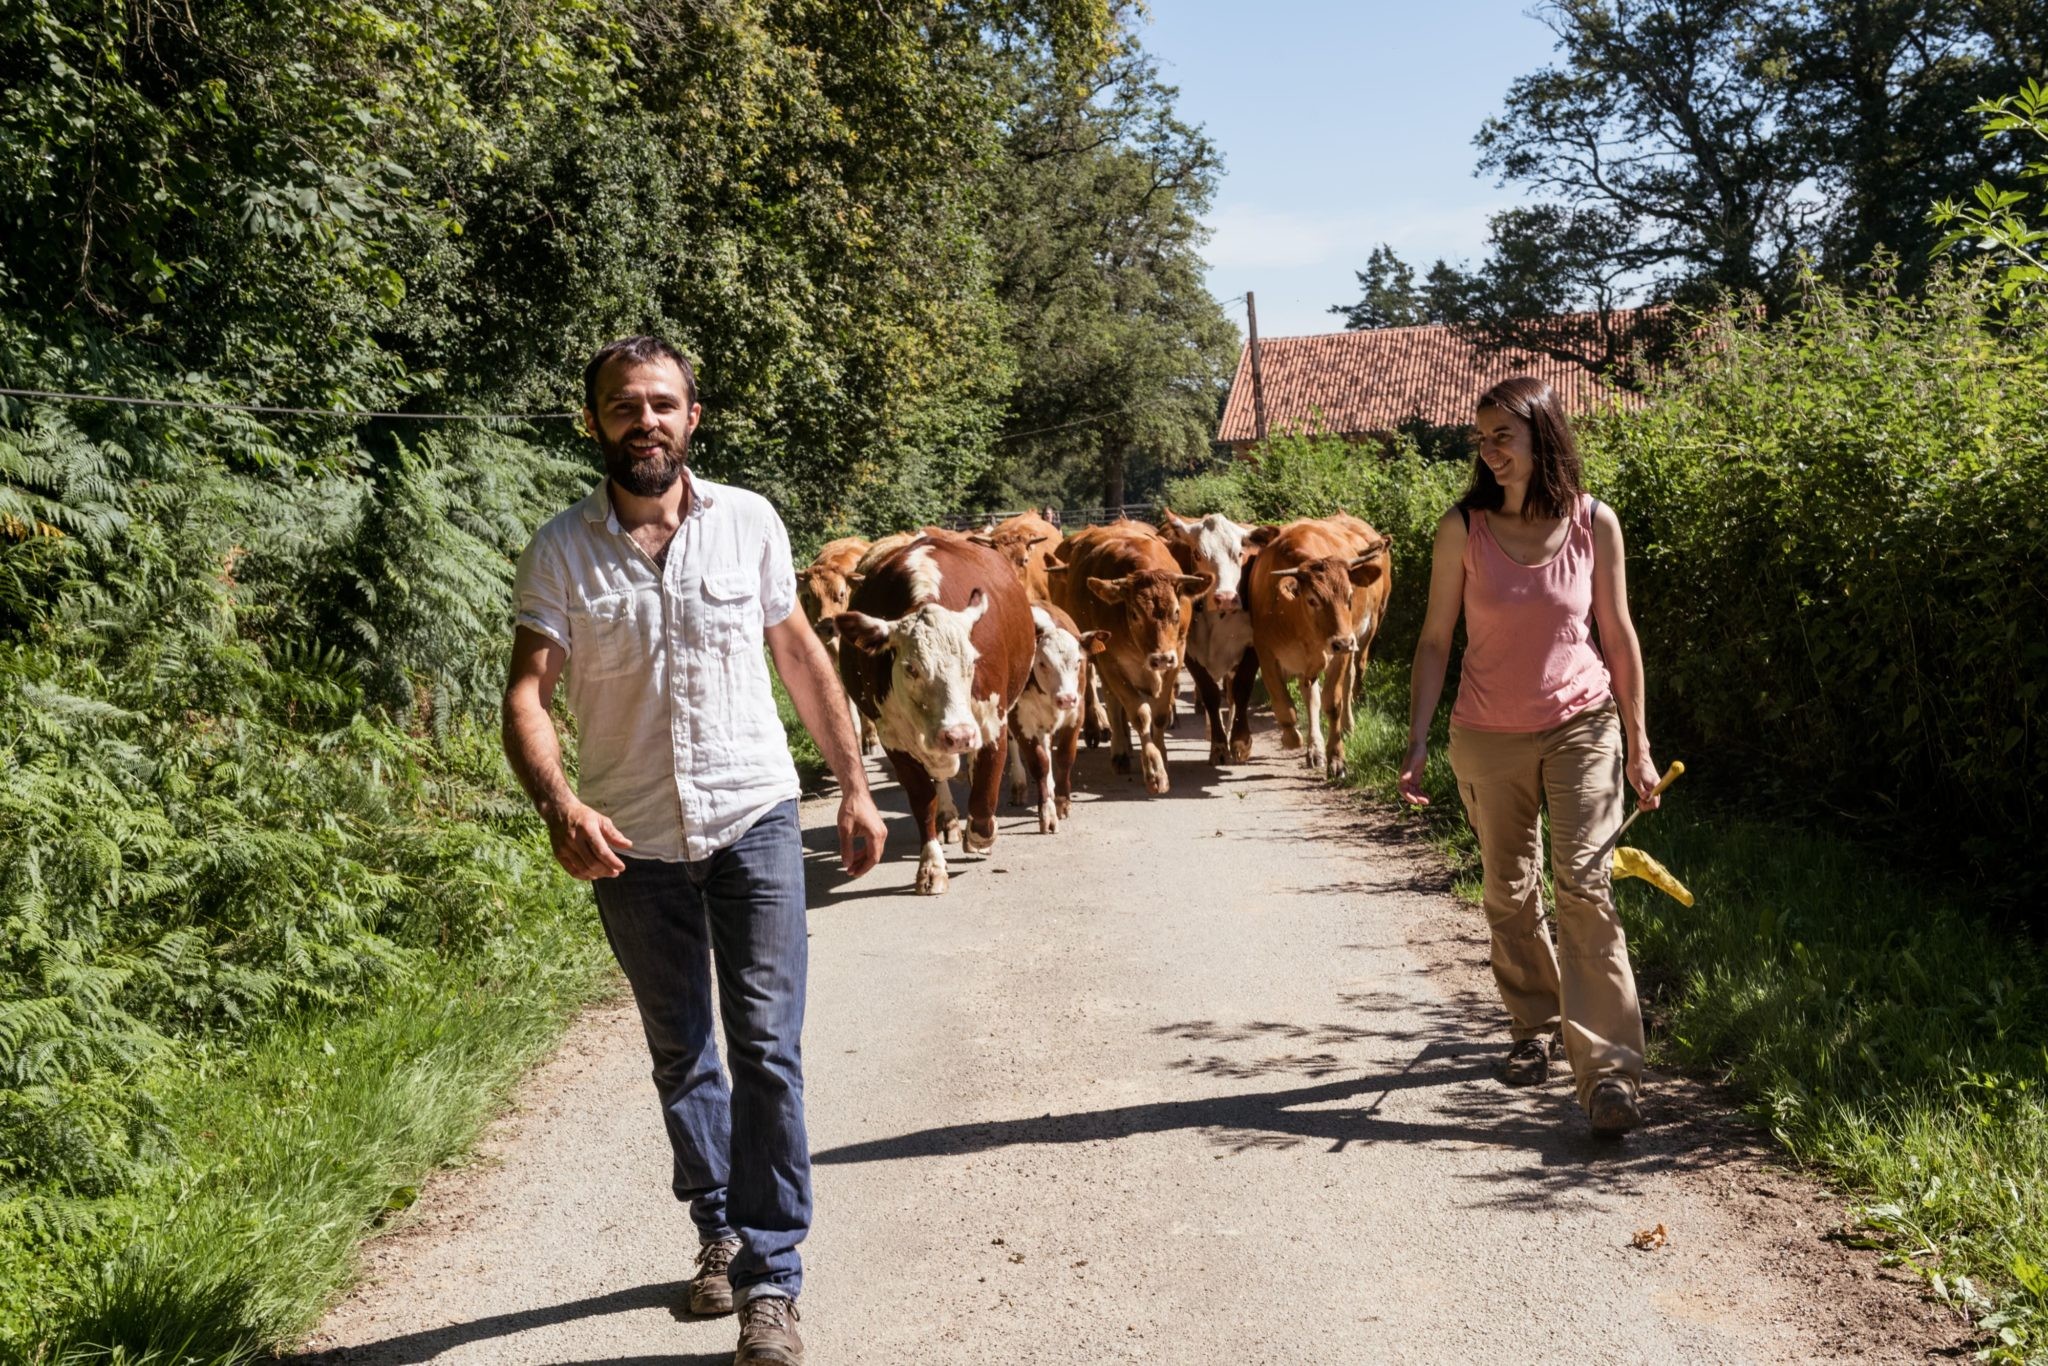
column 1671, row 775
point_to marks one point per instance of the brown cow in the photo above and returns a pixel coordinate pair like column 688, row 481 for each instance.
column 1045, row 727
column 823, row 588
column 1316, row 601
column 1220, row 655
column 1122, row 579
column 939, row 642
column 1027, row 541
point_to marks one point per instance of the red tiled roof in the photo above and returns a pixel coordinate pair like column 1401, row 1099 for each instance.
column 1357, row 383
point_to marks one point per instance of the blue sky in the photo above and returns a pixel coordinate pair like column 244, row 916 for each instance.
column 1342, row 125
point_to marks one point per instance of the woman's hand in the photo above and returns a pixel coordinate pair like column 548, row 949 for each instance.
column 1643, row 777
column 1411, row 774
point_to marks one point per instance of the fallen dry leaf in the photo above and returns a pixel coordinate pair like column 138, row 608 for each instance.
column 1649, row 1239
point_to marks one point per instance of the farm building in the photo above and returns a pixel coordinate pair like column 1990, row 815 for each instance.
column 1368, row 384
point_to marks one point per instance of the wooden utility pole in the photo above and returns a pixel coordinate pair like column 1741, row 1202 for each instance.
column 1251, row 313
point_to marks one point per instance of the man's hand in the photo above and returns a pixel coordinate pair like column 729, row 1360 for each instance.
column 861, row 833
column 584, row 839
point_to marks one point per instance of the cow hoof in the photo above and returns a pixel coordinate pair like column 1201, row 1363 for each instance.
column 1120, row 762
column 1290, row 738
column 1241, row 750
column 1017, row 795
column 1218, row 755
column 1334, row 770
column 1065, row 808
column 1048, row 823
column 932, row 879
column 1308, row 758
column 971, row 843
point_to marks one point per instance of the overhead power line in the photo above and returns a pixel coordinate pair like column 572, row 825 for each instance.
column 270, row 410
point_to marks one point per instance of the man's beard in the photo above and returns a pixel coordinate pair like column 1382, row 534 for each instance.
column 645, row 476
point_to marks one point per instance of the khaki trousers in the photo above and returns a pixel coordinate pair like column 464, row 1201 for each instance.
column 1584, row 984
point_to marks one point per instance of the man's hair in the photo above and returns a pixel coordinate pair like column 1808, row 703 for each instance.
column 1555, row 485
column 636, row 351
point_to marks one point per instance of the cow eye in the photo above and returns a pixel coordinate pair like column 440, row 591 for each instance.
column 913, row 671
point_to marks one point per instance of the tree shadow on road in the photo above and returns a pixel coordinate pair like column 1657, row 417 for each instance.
column 412, row 1348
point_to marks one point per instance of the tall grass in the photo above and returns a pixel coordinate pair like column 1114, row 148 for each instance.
column 292, row 1150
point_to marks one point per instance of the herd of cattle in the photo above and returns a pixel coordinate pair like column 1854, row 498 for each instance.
column 954, row 643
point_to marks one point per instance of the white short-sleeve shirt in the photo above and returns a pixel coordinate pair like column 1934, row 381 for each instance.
column 678, row 737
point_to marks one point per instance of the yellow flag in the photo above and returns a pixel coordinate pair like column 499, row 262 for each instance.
column 1635, row 863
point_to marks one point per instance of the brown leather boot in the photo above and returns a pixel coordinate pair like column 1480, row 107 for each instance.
column 768, row 1333
column 711, row 1287
column 1528, row 1063
column 1613, row 1109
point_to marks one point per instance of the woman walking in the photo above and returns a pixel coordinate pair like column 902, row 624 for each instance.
column 1535, row 565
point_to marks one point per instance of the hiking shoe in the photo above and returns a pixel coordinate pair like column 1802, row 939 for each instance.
column 711, row 1287
column 1528, row 1063
column 768, row 1333
column 1612, row 1108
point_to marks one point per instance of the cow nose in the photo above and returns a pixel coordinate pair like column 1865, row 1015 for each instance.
column 1162, row 659
column 959, row 739
column 1343, row 645
column 1066, row 700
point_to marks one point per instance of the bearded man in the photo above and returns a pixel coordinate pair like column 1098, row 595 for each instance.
column 657, row 592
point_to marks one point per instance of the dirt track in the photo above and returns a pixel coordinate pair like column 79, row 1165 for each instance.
column 1200, row 1078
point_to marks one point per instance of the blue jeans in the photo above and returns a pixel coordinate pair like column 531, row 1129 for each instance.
column 742, row 1161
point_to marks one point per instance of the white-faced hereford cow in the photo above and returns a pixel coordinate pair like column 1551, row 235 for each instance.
column 937, row 644
column 1045, row 728
column 1220, row 656
column 1317, row 592
column 1122, row 579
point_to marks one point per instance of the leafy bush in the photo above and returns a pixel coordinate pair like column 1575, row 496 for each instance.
column 1839, row 559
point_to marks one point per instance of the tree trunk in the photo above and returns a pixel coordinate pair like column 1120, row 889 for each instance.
column 1113, row 481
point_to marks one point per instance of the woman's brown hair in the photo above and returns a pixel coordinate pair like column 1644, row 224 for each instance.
column 1555, row 485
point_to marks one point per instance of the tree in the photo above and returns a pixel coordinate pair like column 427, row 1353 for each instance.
column 1391, row 297
column 1095, row 229
column 1995, row 225
column 1720, row 140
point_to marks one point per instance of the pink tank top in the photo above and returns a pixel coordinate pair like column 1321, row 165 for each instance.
column 1530, row 661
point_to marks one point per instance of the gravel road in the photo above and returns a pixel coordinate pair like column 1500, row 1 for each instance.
column 1200, row 1078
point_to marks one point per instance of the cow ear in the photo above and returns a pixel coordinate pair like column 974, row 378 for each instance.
column 1194, row 585
column 870, row 635
column 977, row 606
column 1287, row 583
column 1109, row 590
column 983, row 538
column 1168, row 521
column 1366, row 569
column 1095, row 642
column 1260, row 536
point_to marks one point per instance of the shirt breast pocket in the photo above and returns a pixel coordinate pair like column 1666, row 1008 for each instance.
column 732, row 612
column 607, row 638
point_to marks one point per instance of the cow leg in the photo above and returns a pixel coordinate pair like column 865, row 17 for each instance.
column 985, row 790
column 949, row 814
column 1242, row 680
column 1337, row 702
column 1019, row 742
column 1065, row 742
column 1151, row 720
column 1097, row 726
column 922, row 792
column 1041, row 781
column 1119, row 735
column 1312, row 705
column 1212, row 705
column 1283, row 702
